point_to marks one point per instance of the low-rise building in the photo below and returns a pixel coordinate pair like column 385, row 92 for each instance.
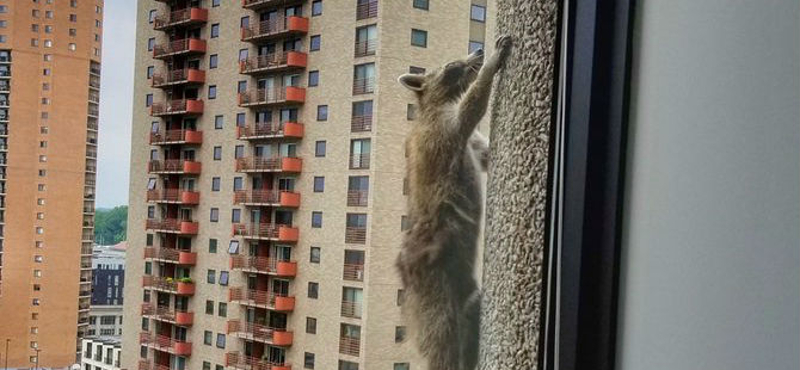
column 100, row 353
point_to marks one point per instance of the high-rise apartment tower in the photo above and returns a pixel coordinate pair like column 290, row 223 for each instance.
column 49, row 95
column 267, row 179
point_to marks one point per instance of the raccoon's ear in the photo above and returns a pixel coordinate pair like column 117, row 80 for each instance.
column 412, row 81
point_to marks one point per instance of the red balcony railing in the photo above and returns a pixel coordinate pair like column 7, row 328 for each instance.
column 172, row 255
column 162, row 313
column 353, row 272
column 165, row 344
column 174, row 166
column 355, row 235
column 268, row 130
column 361, row 123
column 366, row 47
column 357, row 198
column 172, row 225
column 176, row 137
column 243, row 362
column 261, row 333
column 179, row 106
column 275, row 27
column 284, row 233
column 363, row 85
column 273, row 96
column 266, row 265
column 349, row 346
column 183, row 17
column 262, row 298
column 367, row 10
column 179, row 47
column 173, row 196
column 269, row 164
column 275, row 198
column 274, row 62
column 178, row 77
column 169, row 285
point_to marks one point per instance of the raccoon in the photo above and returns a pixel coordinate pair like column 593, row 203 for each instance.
column 445, row 155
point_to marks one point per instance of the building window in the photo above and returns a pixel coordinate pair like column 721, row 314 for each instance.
column 316, row 8
column 213, row 61
column 399, row 334
column 150, row 71
column 316, row 43
column 319, row 150
column 221, row 341
column 319, row 184
column 215, row 183
column 212, row 92
column 209, row 307
column 238, row 183
column 243, row 54
column 222, row 309
column 151, row 43
column 474, row 45
column 211, row 276
column 477, row 13
column 401, row 297
column 313, row 290
column 316, row 219
column 313, row 78
column 322, row 113
column 347, row 365
column 241, row 87
column 240, row 119
column 421, row 4
column 311, row 325
column 148, row 100
column 218, row 122
column 419, row 38
column 315, row 255
column 214, row 215
column 207, row 336
column 151, row 16
column 236, row 215
column 217, row 153
column 215, row 30
column 149, row 240
column 402, row 366
column 308, row 361
column 215, row 3
column 206, row 365
column 238, row 151
column 212, row 245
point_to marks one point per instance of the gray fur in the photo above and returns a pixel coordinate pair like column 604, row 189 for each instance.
column 436, row 261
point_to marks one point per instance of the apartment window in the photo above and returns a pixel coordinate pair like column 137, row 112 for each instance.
column 221, row 341
column 215, row 3
column 241, row 87
column 315, row 255
column 347, row 365
column 308, row 360
column 240, row 119
column 311, row 325
column 218, row 122
column 222, row 309
column 244, row 22
column 411, row 112
column 207, row 337
column 477, row 13
column 215, row 183
column 151, row 43
column 319, row 184
column 217, row 153
column 316, row 219
column 233, row 247
column 215, row 30
column 212, row 92
column 151, row 211
column 206, row 365
column 36, row 302
column 151, row 16
column 148, row 268
column 421, row 4
column 214, row 215
column 401, row 297
column 316, row 8
column 3, row 9
column 238, row 151
column 313, row 290
column 402, row 366
column 316, row 43
column 238, row 183
column 243, row 54
column 150, row 71
column 419, row 38
column 213, row 61
column 236, row 215
column 313, row 78
column 474, row 45
column 399, row 334
column 73, row 18
column 211, row 276
column 73, row 32
column 209, row 307
column 322, row 113
column 212, row 245
column 149, row 240
column 148, row 100
column 319, row 150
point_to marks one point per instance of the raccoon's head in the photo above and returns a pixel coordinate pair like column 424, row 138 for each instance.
column 445, row 84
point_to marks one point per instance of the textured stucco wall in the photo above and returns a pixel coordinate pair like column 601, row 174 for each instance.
column 517, row 188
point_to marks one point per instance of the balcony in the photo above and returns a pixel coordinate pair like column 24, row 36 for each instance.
column 269, row 164
column 172, row 226
column 173, row 196
column 241, row 361
column 355, row 235
column 184, row 47
column 168, row 285
column 260, row 333
column 271, row 130
column 176, row 137
column 363, row 85
column 165, row 344
column 273, row 28
column 264, row 265
column 361, row 123
column 274, row 62
column 179, row 106
column 270, row 97
column 367, row 10
column 357, row 198
column 147, row 365
column 349, row 346
column 183, row 17
column 186, row 76
column 267, row 198
column 163, row 313
column 365, row 48
column 353, row 272
column 261, row 298
column 171, row 255
column 174, row 166
column 351, row 309
column 359, row 161
column 265, row 231
column 261, row 4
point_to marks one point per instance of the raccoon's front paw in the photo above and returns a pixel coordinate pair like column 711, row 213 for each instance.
column 503, row 47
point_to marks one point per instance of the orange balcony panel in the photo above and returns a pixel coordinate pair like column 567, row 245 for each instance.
column 182, row 348
column 194, row 106
column 195, row 76
column 295, row 94
column 297, row 24
column 288, row 234
column 189, row 228
column 259, row 4
column 296, row 59
column 184, row 318
column 284, row 304
column 290, row 199
column 286, row 269
column 185, row 289
column 190, row 197
column 282, row 338
column 289, row 164
column 187, row 258
column 284, row 367
column 292, row 129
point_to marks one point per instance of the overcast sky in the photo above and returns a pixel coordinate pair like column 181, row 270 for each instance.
column 116, row 102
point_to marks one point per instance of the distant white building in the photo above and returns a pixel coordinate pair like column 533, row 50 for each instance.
column 100, row 353
column 108, row 276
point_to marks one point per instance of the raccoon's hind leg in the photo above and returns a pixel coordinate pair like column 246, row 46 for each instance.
column 471, row 330
column 440, row 339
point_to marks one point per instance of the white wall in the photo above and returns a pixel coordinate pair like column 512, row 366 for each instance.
column 711, row 251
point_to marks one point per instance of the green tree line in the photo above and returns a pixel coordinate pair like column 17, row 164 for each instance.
column 110, row 225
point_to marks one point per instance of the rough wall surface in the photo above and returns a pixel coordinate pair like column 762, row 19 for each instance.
column 517, row 187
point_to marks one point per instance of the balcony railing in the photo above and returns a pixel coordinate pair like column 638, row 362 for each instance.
column 349, row 346
column 367, row 10
column 359, row 161
column 353, row 272
column 265, row 265
column 275, row 27
column 363, row 85
column 178, row 106
column 357, row 198
column 366, row 47
column 274, row 62
column 179, row 76
column 173, row 255
column 165, row 343
column 243, row 362
column 268, row 130
column 179, row 47
column 183, row 17
column 262, row 298
column 269, row 164
column 174, row 166
column 261, row 333
column 168, row 285
column 163, row 313
column 361, row 123
column 355, row 235
column 273, row 96
column 147, row 365
column 258, row 4
column 275, row 198
column 176, row 196
column 176, row 137
column 172, row 225
column 265, row 231
column 351, row 309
